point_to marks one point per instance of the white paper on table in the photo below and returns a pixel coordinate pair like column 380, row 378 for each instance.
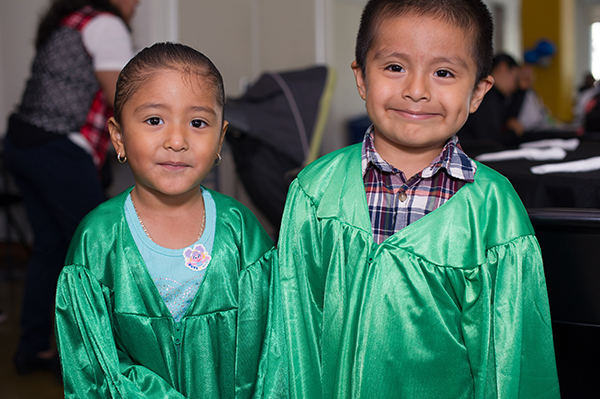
column 534, row 154
column 583, row 165
column 566, row 144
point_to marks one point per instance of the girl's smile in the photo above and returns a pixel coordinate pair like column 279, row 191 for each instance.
column 171, row 132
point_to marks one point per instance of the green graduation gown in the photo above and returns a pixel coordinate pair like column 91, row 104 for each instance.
column 452, row 306
column 117, row 338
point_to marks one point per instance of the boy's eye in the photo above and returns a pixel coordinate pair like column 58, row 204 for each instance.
column 442, row 73
column 395, row 68
column 154, row 121
column 198, row 123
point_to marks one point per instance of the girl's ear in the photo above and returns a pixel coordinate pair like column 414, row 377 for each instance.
column 223, row 131
column 116, row 136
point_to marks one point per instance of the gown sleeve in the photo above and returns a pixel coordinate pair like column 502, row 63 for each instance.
column 92, row 365
column 260, row 333
column 506, row 324
column 302, row 286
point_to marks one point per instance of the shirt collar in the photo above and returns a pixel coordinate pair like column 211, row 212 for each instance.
column 452, row 159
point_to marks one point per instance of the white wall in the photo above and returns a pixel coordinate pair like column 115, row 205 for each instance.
column 512, row 38
column 18, row 20
column 586, row 13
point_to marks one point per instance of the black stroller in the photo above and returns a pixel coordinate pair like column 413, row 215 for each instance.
column 275, row 129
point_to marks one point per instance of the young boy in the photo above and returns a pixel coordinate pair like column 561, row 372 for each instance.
column 391, row 294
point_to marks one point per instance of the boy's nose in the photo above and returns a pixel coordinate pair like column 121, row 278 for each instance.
column 416, row 88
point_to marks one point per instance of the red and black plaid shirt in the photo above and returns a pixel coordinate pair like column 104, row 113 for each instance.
column 394, row 201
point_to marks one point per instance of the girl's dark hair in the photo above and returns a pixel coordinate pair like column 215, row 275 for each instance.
column 471, row 15
column 161, row 56
column 61, row 8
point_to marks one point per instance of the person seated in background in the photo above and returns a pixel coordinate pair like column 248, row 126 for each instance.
column 586, row 92
column 490, row 128
column 526, row 108
column 591, row 116
column 588, row 82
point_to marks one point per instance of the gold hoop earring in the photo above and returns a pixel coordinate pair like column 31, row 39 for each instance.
column 121, row 160
column 218, row 160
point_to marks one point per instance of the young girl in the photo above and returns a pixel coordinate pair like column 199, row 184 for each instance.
column 167, row 291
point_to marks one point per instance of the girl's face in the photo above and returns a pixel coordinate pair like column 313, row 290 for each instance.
column 171, row 132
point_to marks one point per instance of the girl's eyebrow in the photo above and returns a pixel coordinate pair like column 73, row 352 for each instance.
column 204, row 109
column 147, row 106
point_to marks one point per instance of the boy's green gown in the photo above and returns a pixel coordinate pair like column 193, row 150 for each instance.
column 452, row 306
column 117, row 338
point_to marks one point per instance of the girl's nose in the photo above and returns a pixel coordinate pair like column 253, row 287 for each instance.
column 176, row 139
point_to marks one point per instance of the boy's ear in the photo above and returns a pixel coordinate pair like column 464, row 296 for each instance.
column 360, row 80
column 116, row 136
column 483, row 87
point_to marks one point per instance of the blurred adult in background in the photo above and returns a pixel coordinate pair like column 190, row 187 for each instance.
column 587, row 82
column 591, row 118
column 586, row 92
column 487, row 129
column 526, row 108
column 56, row 144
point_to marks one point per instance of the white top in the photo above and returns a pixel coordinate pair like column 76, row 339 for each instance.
column 108, row 42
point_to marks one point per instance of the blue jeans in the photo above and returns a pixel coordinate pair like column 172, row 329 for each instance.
column 59, row 184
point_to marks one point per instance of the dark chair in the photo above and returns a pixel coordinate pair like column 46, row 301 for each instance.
column 570, row 243
column 276, row 128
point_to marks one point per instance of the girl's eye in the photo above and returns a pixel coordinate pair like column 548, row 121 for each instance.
column 198, row 123
column 442, row 73
column 154, row 121
column 395, row 68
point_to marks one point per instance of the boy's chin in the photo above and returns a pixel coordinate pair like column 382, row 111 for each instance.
column 409, row 144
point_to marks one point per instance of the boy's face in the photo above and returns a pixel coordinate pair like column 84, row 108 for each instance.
column 418, row 84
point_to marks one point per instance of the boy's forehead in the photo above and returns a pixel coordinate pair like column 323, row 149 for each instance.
column 393, row 32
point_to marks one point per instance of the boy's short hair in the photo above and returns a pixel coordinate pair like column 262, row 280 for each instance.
column 471, row 15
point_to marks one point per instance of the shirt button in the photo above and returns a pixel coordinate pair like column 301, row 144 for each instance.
column 402, row 196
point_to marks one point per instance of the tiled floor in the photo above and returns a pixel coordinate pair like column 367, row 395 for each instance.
column 39, row 385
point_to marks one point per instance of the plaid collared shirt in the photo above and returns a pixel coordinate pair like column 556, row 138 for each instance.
column 395, row 202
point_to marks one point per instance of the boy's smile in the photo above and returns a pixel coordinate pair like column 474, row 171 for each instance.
column 418, row 87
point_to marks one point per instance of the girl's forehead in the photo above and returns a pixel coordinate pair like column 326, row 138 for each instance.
column 173, row 89
column 171, row 78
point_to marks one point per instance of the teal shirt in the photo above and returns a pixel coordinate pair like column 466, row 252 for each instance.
column 174, row 271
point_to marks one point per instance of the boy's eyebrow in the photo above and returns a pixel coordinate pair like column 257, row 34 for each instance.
column 198, row 108
column 394, row 54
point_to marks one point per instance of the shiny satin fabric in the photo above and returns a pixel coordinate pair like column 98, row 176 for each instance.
column 452, row 306
column 116, row 337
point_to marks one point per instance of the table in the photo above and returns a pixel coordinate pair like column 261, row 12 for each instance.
column 567, row 190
